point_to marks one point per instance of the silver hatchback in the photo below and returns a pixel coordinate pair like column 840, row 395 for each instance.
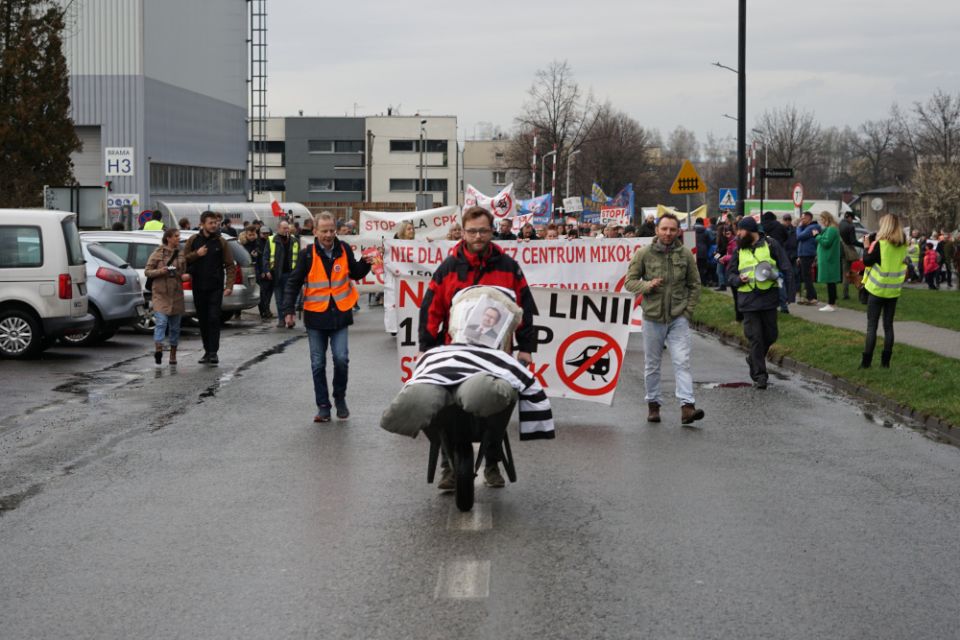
column 136, row 246
column 114, row 293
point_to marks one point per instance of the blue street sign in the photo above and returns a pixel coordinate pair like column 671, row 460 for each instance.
column 728, row 198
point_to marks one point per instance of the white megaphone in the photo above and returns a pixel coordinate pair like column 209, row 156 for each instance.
column 764, row 271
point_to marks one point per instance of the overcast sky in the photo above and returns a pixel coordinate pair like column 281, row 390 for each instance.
column 846, row 60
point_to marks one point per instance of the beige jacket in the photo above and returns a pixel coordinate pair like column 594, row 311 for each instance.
column 167, row 288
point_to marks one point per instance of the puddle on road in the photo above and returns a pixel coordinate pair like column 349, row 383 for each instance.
column 94, row 387
column 724, row 385
column 223, row 380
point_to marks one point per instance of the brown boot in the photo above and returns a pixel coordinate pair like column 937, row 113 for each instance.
column 689, row 413
column 173, row 355
column 653, row 415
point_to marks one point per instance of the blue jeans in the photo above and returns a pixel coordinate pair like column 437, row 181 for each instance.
column 318, row 363
column 165, row 322
column 676, row 336
column 279, row 284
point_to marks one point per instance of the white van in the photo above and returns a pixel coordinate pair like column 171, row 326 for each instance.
column 43, row 293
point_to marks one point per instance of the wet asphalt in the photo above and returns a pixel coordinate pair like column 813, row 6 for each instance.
column 204, row 503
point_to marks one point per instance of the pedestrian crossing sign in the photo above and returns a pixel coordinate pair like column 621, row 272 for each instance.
column 728, row 198
column 688, row 181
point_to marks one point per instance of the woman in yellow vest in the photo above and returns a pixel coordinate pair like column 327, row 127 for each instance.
column 886, row 269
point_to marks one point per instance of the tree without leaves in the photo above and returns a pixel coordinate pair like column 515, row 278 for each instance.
column 874, row 144
column 795, row 140
column 618, row 152
column 557, row 113
column 936, row 197
column 36, row 133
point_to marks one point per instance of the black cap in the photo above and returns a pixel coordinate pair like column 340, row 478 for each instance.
column 748, row 224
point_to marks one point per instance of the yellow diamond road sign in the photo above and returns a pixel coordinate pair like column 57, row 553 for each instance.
column 688, row 181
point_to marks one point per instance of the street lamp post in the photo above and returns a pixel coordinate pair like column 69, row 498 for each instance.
column 543, row 168
column 569, row 162
column 763, row 179
column 422, row 185
column 742, row 106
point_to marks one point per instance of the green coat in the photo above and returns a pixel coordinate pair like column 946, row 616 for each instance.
column 828, row 255
column 680, row 291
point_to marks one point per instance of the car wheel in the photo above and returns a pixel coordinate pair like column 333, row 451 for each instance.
column 20, row 334
column 227, row 316
column 85, row 338
column 146, row 322
column 108, row 332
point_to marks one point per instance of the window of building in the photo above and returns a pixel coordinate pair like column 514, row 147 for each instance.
column 403, row 184
column 320, row 184
column 349, row 184
column 436, row 185
column 403, row 145
column 499, row 178
column 268, row 146
column 348, row 146
column 319, row 146
column 175, row 179
column 432, row 146
column 498, row 156
column 436, row 146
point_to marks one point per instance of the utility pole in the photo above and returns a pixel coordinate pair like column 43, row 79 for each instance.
column 742, row 108
column 370, row 138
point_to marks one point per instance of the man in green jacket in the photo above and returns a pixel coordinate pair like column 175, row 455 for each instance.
column 665, row 274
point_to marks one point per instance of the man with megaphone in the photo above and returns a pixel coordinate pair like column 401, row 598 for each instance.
column 753, row 271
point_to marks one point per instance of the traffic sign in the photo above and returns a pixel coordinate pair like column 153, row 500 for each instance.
column 728, row 198
column 780, row 172
column 798, row 195
column 688, row 181
column 584, row 362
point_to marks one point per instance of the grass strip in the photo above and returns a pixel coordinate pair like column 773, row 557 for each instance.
column 921, row 380
column 937, row 308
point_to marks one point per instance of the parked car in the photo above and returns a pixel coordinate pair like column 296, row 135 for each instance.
column 114, row 293
column 135, row 248
column 43, row 291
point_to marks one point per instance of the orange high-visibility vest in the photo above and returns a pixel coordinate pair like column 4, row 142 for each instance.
column 320, row 286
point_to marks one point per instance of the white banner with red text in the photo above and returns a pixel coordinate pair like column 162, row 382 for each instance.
column 581, row 338
column 591, row 264
column 432, row 223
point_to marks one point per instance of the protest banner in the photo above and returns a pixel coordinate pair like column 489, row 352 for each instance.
column 372, row 282
column 502, row 205
column 432, row 223
column 617, row 215
column 585, row 264
column 581, row 338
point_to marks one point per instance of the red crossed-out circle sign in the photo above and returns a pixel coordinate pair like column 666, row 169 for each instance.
column 606, row 344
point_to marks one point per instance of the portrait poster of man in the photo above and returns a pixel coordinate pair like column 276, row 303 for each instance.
column 486, row 323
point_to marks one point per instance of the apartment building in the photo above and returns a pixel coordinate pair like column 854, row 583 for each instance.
column 371, row 159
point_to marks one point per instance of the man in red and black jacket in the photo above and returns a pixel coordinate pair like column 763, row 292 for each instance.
column 476, row 261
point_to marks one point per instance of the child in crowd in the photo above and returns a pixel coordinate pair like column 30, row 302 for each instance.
column 931, row 266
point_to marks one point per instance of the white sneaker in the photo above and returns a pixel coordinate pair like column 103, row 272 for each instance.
column 827, row 307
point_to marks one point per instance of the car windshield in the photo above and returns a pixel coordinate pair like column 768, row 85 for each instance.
column 105, row 255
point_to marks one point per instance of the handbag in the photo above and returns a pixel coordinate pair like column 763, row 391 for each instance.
column 850, row 253
column 862, row 294
column 148, row 286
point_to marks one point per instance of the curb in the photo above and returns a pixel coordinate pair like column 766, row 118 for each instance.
column 945, row 431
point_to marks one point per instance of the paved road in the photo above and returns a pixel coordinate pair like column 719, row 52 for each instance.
column 206, row 505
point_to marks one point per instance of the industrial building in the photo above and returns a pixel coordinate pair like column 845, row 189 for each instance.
column 159, row 97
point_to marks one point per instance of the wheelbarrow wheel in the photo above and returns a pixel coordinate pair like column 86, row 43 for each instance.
column 463, row 468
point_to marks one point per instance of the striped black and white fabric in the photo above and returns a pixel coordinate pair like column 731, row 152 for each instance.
column 451, row 364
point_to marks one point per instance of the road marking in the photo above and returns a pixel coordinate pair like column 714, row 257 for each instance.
column 463, row 580
column 479, row 519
